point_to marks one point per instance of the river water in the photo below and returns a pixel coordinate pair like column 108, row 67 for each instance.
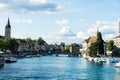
column 58, row 68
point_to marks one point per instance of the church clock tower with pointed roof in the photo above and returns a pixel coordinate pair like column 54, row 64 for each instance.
column 8, row 30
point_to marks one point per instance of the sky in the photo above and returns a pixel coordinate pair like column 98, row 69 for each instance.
column 56, row 21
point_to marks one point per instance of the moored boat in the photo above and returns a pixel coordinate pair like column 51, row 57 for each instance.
column 10, row 59
column 117, row 65
column 98, row 60
column 1, row 62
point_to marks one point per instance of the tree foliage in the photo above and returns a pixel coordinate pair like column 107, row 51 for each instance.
column 28, row 40
column 100, row 44
column 93, row 49
column 110, row 45
column 13, row 45
column 97, row 48
column 4, row 45
column 41, row 41
column 67, row 49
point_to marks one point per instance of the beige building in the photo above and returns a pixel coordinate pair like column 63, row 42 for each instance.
column 86, row 44
column 117, row 39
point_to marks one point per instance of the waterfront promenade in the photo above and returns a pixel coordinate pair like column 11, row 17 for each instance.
column 58, row 68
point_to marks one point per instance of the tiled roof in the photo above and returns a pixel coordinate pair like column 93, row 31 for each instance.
column 117, row 36
column 92, row 39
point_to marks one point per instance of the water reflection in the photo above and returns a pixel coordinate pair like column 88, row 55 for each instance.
column 117, row 77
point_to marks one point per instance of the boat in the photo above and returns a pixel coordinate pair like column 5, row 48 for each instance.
column 10, row 60
column 91, row 59
column 1, row 59
column 117, row 65
column 1, row 62
column 107, row 60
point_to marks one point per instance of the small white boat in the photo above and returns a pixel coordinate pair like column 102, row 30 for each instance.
column 90, row 59
column 117, row 65
column 10, row 59
column 98, row 60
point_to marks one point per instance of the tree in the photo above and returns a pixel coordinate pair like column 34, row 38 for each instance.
column 13, row 45
column 100, row 46
column 67, row 49
column 110, row 45
column 28, row 40
column 93, row 49
column 1, row 44
column 41, row 41
column 4, row 45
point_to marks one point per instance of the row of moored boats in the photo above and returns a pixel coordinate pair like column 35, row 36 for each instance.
column 106, row 60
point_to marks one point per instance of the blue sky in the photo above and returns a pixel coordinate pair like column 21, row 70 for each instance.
column 58, row 21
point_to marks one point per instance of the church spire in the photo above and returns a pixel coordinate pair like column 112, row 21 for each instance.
column 8, row 21
column 8, row 30
column 119, row 27
column 8, row 24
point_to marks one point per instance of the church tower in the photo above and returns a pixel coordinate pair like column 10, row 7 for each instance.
column 8, row 30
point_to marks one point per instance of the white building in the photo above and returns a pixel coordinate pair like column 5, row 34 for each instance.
column 117, row 39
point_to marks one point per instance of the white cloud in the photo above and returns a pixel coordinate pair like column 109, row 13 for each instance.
column 92, row 30
column 108, row 29
column 66, row 31
column 81, row 35
column 63, row 22
column 15, row 0
column 109, row 36
column 65, row 34
column 59, row 8
column 37, row 2
column 23, row 20
column 2, row 6
column 29, row 6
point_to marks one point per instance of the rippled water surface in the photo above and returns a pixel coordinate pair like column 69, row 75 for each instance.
column 58, row 68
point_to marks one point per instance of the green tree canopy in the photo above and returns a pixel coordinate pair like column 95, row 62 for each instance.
column 100, row 44
column 28, row 40
column 97, row 48
column 41, row 41
column 1, row 43
column 110, row 45
column 13, row 45
column 93, row 49
column 4, row 44
column 67, row 49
